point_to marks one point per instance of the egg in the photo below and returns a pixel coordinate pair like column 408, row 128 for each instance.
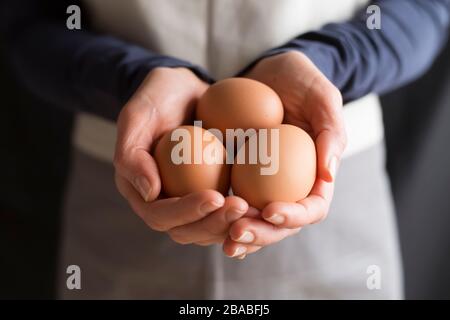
column 239, row 103
column 286, row 173
column 191, row 159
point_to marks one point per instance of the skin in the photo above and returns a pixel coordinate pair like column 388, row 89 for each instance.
column 314, row 104
column 166, row 99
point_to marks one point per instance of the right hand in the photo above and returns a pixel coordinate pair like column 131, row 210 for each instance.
column 314, row 104
column 165, row 100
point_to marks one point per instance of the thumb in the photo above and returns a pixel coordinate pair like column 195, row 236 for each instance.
column 132, row 159
column 330, row 146
column 140, row 169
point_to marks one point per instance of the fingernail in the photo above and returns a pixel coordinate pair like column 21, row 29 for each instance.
column 276, row 219
column 241, row 257
column 143, row 187
column 246, row 237
column 239, row 251
column 210, row 206
column 332, row 167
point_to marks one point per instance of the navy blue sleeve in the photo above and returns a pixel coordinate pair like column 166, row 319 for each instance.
column 76, row 69
column 359, row 60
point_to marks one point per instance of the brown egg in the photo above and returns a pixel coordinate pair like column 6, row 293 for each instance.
column 239, row 103
column 289, row 179
column 194, row 161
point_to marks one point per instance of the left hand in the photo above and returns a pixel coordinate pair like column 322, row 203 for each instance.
column 165, row 100
column 314, row 104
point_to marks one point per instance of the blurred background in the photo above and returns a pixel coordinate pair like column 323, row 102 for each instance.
column 34, row 161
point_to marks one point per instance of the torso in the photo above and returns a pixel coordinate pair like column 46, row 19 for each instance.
column 223, row 37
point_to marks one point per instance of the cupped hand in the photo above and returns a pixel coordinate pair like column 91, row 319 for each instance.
column 314, row 104
column 165, row 100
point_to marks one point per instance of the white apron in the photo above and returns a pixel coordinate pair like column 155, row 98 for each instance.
column 123, row 259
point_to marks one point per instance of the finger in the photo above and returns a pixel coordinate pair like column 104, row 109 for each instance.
column 210, row 242
column 135, row 135
column 214, row 226
column 141, row 170
column 252, row 213
column 234, row 249
column 257, row 232
column 165, row 214
column 328, row 128
column 310, row 210
column 330, row 147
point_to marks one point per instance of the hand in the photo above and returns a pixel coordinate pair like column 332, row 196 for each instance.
column 314, row 104
column 165, row 100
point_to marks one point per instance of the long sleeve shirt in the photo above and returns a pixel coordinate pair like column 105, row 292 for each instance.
column 96, row 73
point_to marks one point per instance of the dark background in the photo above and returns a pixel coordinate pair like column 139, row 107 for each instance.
column 34, row 161
column 417, row 124
column 35, row 142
